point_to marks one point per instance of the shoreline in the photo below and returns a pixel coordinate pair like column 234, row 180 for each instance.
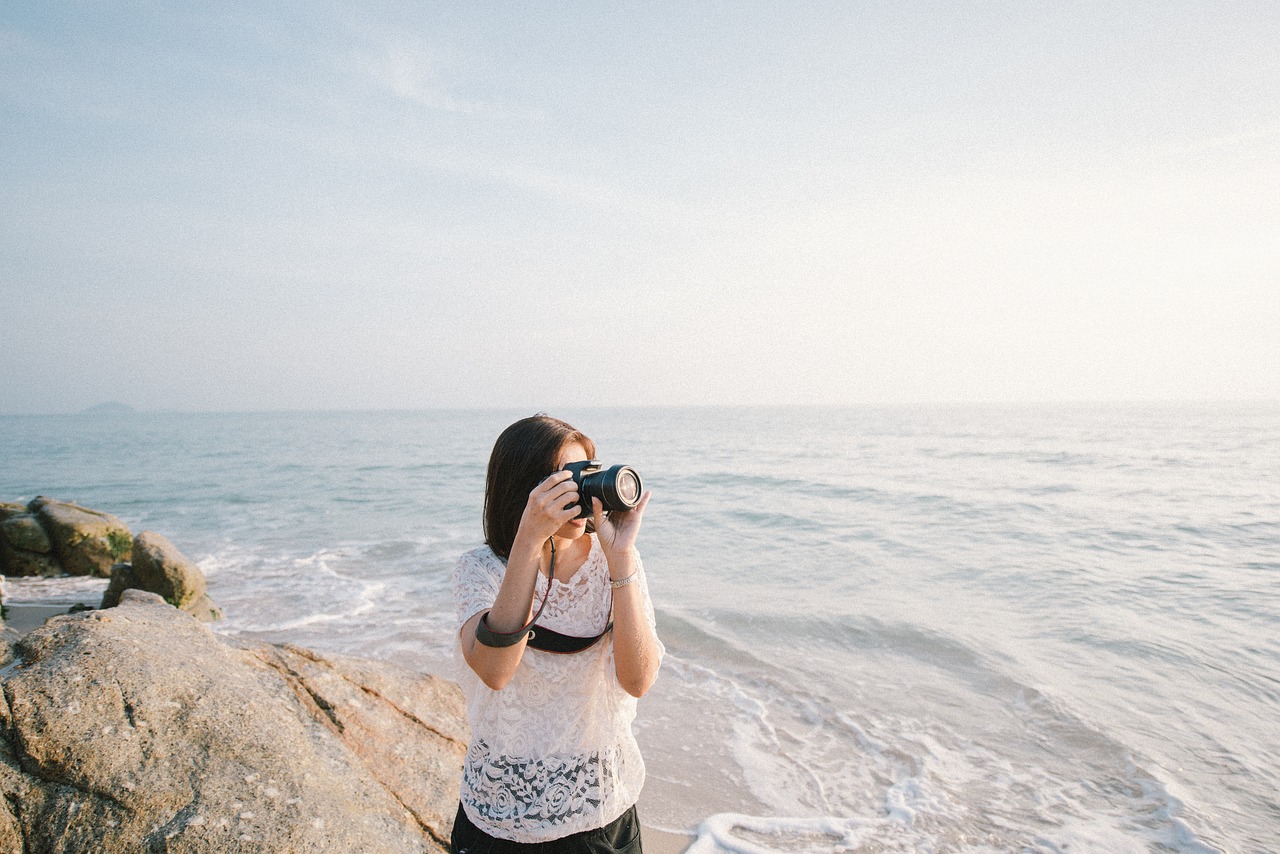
column 664, row 841
column 24, row 617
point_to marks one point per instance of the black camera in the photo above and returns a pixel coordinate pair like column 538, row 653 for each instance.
column 617, row 487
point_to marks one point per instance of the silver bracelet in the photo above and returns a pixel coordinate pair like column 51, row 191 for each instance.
column 623, row 582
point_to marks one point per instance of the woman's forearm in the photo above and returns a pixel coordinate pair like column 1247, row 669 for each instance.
column 496, row 665
column 514, row 604
column 635, row 649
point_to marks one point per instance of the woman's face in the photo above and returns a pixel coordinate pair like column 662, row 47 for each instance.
column 573, row 452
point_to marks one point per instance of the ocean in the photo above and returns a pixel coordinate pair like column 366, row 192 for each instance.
column 1031, row 629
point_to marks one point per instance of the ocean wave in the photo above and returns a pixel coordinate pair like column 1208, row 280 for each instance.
column 65, row 590
column 995, row 763
column 1027, row 626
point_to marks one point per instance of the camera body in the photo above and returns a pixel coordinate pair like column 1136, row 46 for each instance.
column 618, row 487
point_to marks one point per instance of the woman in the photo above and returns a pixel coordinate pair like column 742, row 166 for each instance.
column 552, row 764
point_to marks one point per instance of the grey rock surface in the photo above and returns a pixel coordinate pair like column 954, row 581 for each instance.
column 122, row 579
column 137, row 729
column 18, row 562
column 25, row 548
column 23, row 531
column 158, row 567
column 86, row 542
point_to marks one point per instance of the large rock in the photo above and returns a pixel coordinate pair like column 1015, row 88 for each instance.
column 136, row 729
column 23, row 531
column 158, row 567
column 18, row 562
column 25, row 548
column 86, row 542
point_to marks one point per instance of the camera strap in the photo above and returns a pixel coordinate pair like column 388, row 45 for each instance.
column 489, row 637
column 548, row 641
column 543, row 639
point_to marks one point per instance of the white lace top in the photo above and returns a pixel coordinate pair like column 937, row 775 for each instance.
column 552, row 753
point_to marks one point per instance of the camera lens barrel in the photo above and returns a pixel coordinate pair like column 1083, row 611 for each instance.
column 618, row 487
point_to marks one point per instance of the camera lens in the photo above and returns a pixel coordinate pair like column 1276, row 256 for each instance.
column 628, row 487
column 621, row 488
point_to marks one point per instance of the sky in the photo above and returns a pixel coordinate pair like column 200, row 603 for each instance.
column 400, row 205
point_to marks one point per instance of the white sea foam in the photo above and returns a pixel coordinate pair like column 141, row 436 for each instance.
column 53, row 591
column 1034, row 630
column 732, row 833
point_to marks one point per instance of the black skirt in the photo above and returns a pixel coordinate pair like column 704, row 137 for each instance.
column 620, row 836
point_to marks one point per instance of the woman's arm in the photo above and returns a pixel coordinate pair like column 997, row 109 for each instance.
column 543, row 516
column 635, row 647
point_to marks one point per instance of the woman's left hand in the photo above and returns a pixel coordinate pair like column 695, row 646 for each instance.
column 617, row 531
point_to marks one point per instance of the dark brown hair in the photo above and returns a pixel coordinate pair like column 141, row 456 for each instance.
column 524, row 454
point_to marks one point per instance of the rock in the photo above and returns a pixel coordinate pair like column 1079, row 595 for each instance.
column 24, row 546
column 203, row 609
column 8, row 637
column 136, row 729
column 380, row 713
column 24, row 532
column 122, row 579
column 85, row 541
column 158, row 567
column 17, row 562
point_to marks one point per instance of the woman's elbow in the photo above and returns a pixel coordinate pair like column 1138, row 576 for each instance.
column 494, row 674
column 495, row 681
column 638, row 684
column 636, row 690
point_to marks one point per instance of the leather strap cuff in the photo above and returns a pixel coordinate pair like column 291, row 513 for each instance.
column 489, row 637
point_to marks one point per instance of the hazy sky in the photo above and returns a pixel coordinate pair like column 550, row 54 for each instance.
column 364, row 205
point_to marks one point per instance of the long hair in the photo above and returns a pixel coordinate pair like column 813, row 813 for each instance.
column 524, row 454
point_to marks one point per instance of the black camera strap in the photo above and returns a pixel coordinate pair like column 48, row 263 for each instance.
column 543, row 639
column 489, row 637
column 548, row 641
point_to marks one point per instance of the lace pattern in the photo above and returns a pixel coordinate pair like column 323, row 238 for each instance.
column 553, row 752
column 528, row 793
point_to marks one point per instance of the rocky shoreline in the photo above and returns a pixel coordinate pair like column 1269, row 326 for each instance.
column 50, row 538
column 133, row 727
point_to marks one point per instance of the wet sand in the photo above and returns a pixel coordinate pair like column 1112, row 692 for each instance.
column 23, row 618
column 662, row 842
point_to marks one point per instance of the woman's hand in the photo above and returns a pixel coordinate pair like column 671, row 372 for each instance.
column 551, row 504
column 617, row 532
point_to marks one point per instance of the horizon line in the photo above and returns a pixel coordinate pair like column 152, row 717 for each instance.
column 129, row 410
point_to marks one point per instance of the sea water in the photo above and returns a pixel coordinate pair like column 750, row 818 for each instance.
column 938, row 629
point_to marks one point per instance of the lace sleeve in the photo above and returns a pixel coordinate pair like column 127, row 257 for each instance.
column 476, row 582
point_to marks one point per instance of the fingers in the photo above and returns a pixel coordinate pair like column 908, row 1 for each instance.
column 644, row 502
column 621, row 517
column 637, row 511
column 553, row 481
column 555, row 498
column 557, row 486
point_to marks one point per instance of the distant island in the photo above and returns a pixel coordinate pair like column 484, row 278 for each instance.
column 111, row 407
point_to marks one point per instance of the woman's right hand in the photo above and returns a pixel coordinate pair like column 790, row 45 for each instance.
column 552, row 503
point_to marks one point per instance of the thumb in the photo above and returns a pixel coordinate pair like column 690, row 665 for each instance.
column 597, row 512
